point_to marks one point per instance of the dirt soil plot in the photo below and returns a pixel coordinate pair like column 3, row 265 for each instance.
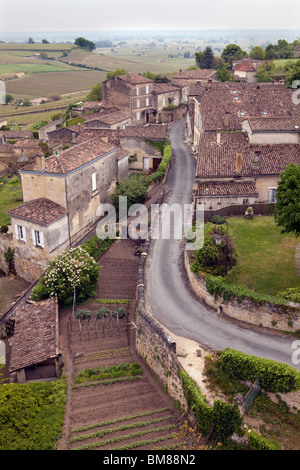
column 133, row 412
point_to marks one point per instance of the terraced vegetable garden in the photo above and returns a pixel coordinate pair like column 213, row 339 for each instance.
column 114, row 402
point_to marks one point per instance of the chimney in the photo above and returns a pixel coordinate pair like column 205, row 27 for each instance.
column 40, row 163
column 105, row 138
column 256, row 160
column 238, row 162
column 226, row 119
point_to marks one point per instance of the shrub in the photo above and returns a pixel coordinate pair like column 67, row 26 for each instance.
column 40, row 291
column 96, row 246
column 258, row 442
column 275, row 377
column 219, row 286
column 292, row 294
column 225, row 417
column 32, row 415
column 4, row 228
column 71, row 270
column 211, row 257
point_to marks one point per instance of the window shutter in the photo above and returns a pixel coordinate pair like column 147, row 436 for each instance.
column 94, row 182
column 33, row 237
column 17, row 232
column 24, row 234
column 42, row 239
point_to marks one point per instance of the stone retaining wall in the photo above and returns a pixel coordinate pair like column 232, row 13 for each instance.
column 279, row 318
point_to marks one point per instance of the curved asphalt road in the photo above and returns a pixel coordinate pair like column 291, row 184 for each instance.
column 167, row 296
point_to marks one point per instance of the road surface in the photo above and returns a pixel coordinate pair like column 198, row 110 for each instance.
column 170, row 301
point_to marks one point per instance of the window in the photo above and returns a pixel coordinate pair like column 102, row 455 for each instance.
column 137, row 90
column 138, row 104
column 94, row 181
column 38, row 238
column 272, row 194
column 138, row 116
column 20, row 233
column 147, row 89
column 147, row 101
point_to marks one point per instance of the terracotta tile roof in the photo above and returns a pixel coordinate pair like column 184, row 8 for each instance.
column 109, row 119
column 135, row 79
column 156, row 131
column 112, row 135
column 35, row 338
column 285, row 124
column 74, row 157
column 200, row 74
column 16, row 134
column 43, row 211
column 234, row 155
column 227, row 188
column 245, row 66
column 225, row 105
column 160, row 88
column 182, row 83
column 27, row 143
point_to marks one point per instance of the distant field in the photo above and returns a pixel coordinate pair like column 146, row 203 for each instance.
column 50, row 83
column 32, row 68
column 36, row 114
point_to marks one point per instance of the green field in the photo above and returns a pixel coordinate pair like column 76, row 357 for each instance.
column 266, row 258
column 10, row 193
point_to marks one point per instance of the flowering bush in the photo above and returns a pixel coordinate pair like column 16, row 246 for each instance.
column 72, row 269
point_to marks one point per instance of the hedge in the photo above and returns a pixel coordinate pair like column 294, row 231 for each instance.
column 258, row 442
column 219, row 286
column 225, row 417
column 163, row 166
column 32, row 415
column 96, row 246
column 275, row 377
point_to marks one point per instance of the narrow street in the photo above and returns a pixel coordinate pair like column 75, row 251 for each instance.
column 167, row 295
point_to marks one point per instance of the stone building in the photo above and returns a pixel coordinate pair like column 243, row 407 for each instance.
column 61, row 197
column 131, row 93
column 35, row 348
column 139, row 140
column 231, row 170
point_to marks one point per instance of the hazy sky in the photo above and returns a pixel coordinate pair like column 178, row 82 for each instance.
column 97, row 15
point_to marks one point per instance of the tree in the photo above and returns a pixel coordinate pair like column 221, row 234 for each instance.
column 73, row 269
column 45, row 41
column 8, row 98
column 223, row 74
column 205, row 59
column 85, row 44
column 293, row 74
column 115, row 73
column 287, row 206
column 31, row 41
column 96, row 93
column 257, row 53
column 232, row 52
column 270, row 54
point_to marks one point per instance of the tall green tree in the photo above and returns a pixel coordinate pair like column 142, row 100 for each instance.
column 232, row 52
column 205, row 59
column 85, row 43
column 115, row 73
column 257, row 53
column 287, row 206
column 293, row 74
column 96, row 93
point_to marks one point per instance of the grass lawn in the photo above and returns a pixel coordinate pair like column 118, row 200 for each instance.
column 9, row 195
column 266, row 258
